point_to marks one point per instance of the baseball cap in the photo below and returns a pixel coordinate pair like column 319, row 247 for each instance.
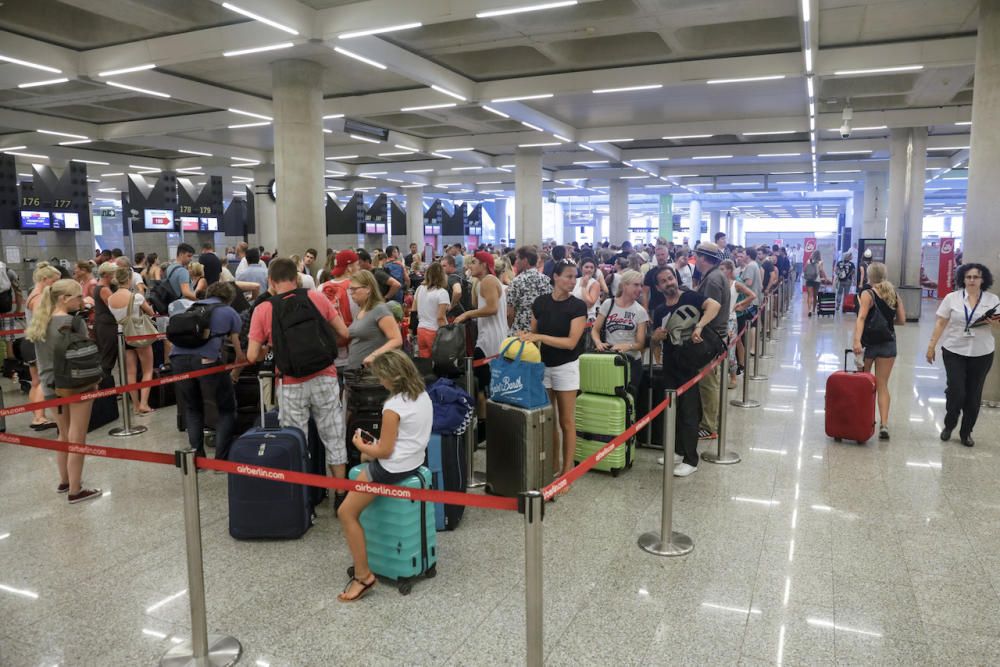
column 486, row 258
column 344, row 257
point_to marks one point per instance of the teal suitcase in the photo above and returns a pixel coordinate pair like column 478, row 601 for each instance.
column 599, row 420
column 604, row 373
column 401, row 534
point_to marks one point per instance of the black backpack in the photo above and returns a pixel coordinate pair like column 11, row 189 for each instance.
column 192, row 328
column 160, row 295
column 303, row 342
column 877, row 328
column 77, row 361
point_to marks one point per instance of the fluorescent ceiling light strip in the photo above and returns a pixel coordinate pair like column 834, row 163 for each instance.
column 258, row 17
column 465, row 168
column 25, row 63
column 28, row 155
column 626, row 89
column 127, row 70
column 526, row 8
column 541, row 96
column 533, row 127
column 712, row 157
column 342, row 157
column 543, row 143
column 806, row 11
column 244, row 125
column 499, row 113
column 592, row 162
column 809, row 60
column 809, row 87
column 858, row 152
column 961, row 122
column 187, row 169
column 688, row 136
column 842, row 171
column 561, row 137
column 258, row 49
column 360, row 138
column 333, row 115
column 52, row 82
column 455, row 150
column 76, row 142
column 76, row 159
column 425, row 107
column 358, row 56
column 249, row 113
column 609, row 141
column 778, row 154
column 395, row 154
column 139, row 166
column 950, row 148
column 378, row 31
column 190, row 152
column 445, row 156
column 759, row 134
column 117, row 173
column 146, row 91
column 449, row 93
column 748, row 79
column 418, row 171
column 879, row 70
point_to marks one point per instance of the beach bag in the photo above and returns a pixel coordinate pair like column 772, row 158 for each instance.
column 517, row 382
column 137, row 325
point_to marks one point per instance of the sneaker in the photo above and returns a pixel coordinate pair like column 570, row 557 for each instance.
column 883, row 433
column 677, row 459
column 945, row 434
column 84, row 494
column 705, row 434
column 63, row 488
column 683, row 470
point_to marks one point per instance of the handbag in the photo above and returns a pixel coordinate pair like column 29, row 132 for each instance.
column 691, row 357
column 516, row 382
column 137, row 325
column 588, row 341
column 877, row 329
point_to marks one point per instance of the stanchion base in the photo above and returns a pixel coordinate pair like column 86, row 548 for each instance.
column 122, row 432
column 750, row 403
column 767, row 355
column 223, row 651
column 728, row 457
column 757, row 378
column 679, row 544
column 477, row 482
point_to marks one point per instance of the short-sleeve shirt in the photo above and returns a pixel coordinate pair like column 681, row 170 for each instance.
column 663, row 313
column 655, row 295
column 555, row 318
column 621, row 324
column 428, row 302
column 766, row 268
column 176, row 277
column 366, row 336
column 524, row 289
column 225, row 321
column 714, row 285
column 261, row 328
column 751, row 278
column 415, row 421
column 254, row 273
column 954, row 307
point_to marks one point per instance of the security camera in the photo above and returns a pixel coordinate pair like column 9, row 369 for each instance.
column 845, row 126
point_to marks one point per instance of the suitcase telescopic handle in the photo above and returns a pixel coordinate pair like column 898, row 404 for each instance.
column 847, row 352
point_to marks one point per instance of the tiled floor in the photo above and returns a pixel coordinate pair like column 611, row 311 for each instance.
column 808, row 552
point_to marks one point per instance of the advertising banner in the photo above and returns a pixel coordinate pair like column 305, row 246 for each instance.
column 808, row 247
column 667, row 217
column 946, row 268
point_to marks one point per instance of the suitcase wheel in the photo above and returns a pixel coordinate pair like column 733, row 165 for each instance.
column 837, row 440
column 405, row 587
column 431, row 571
column 615, row 471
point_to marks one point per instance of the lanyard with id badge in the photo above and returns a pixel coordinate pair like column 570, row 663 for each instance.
column 968, row 333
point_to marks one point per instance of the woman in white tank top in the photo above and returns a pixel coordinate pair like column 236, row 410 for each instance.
column 588, row 288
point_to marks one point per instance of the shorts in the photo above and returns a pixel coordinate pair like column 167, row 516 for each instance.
column 481, row 373
column 318, row 398
column 565, row 377
column 881, row 350
column 812, row 283
column 425, row 342
column 376, row 473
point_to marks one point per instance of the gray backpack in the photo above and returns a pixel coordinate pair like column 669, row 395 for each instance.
column 77, row 361
column 811, row 272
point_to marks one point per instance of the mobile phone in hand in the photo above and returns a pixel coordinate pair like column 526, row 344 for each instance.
column 367, row 437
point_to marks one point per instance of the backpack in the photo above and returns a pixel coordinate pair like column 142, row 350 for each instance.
column 811, row 272
column 303, row 342
column 192, row 328
column 448, row 350
column 76, row 359
column 453, row 407
column 160, row 294
column 877, row 328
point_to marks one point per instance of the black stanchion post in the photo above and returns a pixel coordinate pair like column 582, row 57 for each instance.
column 667, row 542
column 720, row 455
column 532, row 506
column 202, row 650
column 473, row 479
column 127, row 428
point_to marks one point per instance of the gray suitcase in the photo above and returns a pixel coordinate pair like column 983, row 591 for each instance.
column 518, row 444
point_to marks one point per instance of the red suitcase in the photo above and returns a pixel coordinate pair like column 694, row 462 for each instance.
column 850, row 405
column 850, row 303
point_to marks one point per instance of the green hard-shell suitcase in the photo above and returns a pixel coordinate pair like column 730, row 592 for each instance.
column 599, row 420
column 604, row 373
column 401, row 534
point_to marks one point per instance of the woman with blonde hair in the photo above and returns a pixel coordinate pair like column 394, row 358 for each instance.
column 124, row 304
column 503, row 270
column 621, row 325
column 879, row 308
column 398, row 452
column 373, row 330
column 198, row 281
column 431, row 303
column 44, row 276
column 53, row 312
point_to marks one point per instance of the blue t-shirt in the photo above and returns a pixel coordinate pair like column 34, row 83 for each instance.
column 175, row 274
column 396, row 270
column 225, row 321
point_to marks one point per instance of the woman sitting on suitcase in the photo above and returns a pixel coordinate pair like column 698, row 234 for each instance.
column 878, row 337
column 400, row 450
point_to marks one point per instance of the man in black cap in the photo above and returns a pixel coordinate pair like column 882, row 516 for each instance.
column 713, row 285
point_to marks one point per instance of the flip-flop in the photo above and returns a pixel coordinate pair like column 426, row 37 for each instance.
column 44, row 426
column 364, row 590
column 142, row 413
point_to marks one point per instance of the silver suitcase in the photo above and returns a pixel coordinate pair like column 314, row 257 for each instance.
column 517, row 448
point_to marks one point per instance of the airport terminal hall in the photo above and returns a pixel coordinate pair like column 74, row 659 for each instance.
column 556, row 333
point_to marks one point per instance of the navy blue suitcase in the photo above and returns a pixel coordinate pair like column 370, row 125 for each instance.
column 446, row 461
column 317, row 454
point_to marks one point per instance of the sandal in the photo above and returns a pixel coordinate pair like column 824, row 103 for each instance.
column 143, row 413
column 364, row 589
column 43, row 426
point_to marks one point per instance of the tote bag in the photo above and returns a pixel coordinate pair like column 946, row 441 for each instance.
column 517, row 382
column 138, row 325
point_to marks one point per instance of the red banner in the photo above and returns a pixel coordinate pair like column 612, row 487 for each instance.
column 946, row 268
column 808, row 248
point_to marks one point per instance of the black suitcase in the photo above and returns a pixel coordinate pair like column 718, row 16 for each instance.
column 104, row 410
column 652, row 435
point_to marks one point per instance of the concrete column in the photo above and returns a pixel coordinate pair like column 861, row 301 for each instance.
column 907, row 162
column 714, row 225
column 980, row 236
column 415, row 216
column 694, row 221
column 500, row 219
column 528, row 196
column 618, row 212
column 298, row 155
column 737, row 230
column 856, row 215
column 265, row 210
column 876, row 203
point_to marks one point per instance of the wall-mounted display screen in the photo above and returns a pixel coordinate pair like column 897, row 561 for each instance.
column 432, row 229
column 158, row 220
column 35, row 220
column 189, row 224
column 209, row 225
column 65, row 220
column 370, row 228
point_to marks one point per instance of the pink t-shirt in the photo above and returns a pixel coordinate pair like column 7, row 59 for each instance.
column 260, row 330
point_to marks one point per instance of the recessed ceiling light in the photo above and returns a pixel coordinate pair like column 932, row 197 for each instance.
column 747, row 79
column 879, row 70
column 526, row 8
column 258, row 17
column 358, row 56
column 378, row 31
column 426, row 107
column 258, row 49
column 49, row 82
column 541, row 96
column 25, row 63
column 137, row 89
column 626, row 89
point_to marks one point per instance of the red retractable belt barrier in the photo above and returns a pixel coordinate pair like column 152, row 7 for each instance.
column 135, row 339
column 11, row 332
column 89, row 450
